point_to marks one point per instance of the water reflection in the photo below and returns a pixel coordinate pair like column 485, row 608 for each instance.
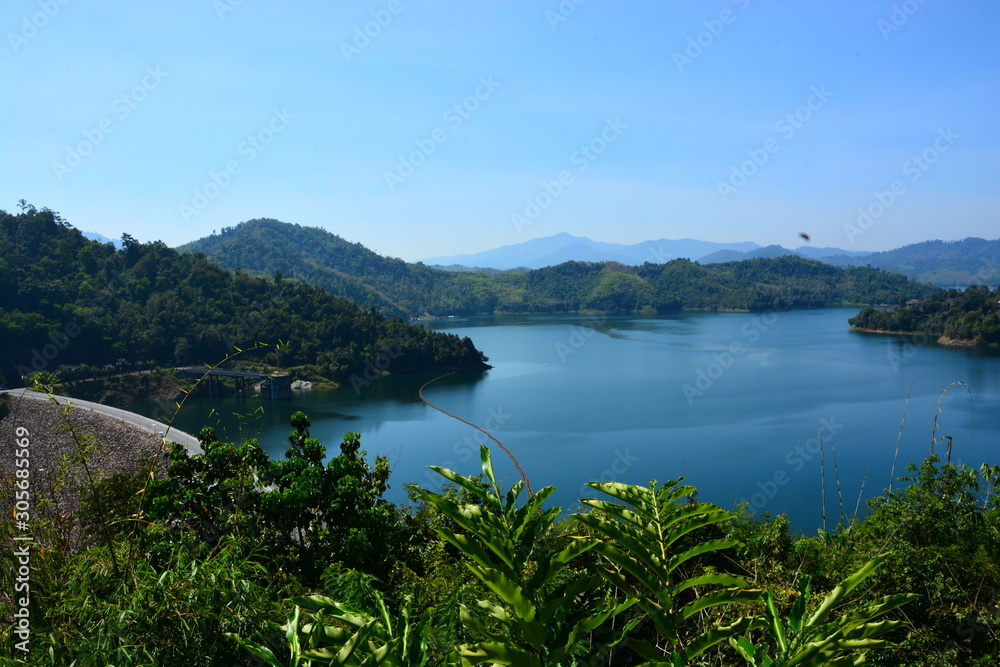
column 574, row 405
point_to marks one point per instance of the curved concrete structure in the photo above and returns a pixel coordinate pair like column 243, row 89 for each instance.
column 188, row 441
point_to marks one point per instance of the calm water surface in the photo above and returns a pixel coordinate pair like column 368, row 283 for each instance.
column 732, row 401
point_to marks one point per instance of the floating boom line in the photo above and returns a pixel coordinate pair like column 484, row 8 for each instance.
column 489, row 435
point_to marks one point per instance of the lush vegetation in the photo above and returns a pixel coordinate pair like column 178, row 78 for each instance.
column 971, row 261
column 68, row 300
column 317, row 257
column 234, row 559
column 348, row 269
column 972, row 315
column 231, row 558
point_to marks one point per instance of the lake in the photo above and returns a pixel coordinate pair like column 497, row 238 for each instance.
column 734, row 402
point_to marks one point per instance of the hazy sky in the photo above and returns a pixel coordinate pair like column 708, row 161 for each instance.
column 431, row 128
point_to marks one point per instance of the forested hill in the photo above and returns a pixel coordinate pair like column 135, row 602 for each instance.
column 316, row 256
column 966, row 317
column 66, row 299
column 348, row 269
column 971, row 261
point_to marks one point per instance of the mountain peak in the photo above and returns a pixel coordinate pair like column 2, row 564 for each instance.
column 564, row 247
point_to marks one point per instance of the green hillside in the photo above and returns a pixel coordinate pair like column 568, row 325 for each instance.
column 315, row 256
column 972, row 316
column 348, row 269
column 67, row 299
column 971, row 261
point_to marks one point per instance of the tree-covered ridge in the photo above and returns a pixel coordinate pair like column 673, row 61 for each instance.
column 316, row 256
column 971, row 261
column 970, row 315
column 92, row 304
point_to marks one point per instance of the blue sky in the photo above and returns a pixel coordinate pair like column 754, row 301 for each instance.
column 457, row 127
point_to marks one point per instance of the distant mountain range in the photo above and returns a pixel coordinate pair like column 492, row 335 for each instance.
column 553, row 250
column 280, row 251
column 101, row 238
column 943, row 263
column 765, row 252
column 971, row 261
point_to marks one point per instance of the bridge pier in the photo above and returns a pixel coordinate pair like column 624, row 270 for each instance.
column 274, row 386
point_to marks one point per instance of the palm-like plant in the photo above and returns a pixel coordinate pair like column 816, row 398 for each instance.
column 291, row 631
column 818, row 640
column 641, row 542
column 339, row 634
column 367, row 639
column 542, row 612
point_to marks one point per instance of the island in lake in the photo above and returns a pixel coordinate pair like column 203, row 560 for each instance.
column 958, row 318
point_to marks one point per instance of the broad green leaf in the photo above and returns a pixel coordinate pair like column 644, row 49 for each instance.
column 845, row 587
column 774, row 622
column 261, row 652
column 487, row 464
column 493, row 610
column 797, row 614
column 720, row 633
column 510, row 593
column 715, row 598
column 876, row 608
column 500, row 654
column 713, row 579
column 465, row 482
column 699, row 549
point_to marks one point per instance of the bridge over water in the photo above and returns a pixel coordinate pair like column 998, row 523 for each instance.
column 272, row 385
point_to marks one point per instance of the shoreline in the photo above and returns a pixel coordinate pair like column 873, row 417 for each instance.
column 940, row 340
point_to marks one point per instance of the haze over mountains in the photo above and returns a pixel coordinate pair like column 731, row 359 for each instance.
column 272, row 248
column 764, row 252
column 101, row 238
column 943, row 263
column 553, row 250
column 559, row 248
